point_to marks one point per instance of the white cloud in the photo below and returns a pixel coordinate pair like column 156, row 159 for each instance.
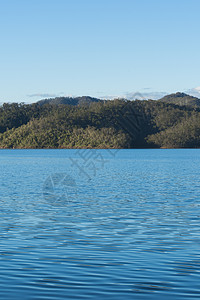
column 137, row 96
column 145, row 96
column 197, row 88
column 195, row 92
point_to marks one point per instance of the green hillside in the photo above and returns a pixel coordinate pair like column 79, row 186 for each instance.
column 181, row 99
column 69, row 100
column 100, row 124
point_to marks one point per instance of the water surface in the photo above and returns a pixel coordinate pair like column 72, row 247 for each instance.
column 100, row 224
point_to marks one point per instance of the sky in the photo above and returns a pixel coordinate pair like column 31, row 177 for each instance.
column 97, row 47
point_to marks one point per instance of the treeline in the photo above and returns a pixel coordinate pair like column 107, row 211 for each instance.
column 101, row 124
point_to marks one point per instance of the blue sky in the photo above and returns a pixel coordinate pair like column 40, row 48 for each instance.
column 97, row 47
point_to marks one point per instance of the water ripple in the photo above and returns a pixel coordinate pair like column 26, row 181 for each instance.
column 132, row 232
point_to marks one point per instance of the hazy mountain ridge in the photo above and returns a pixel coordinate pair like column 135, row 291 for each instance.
column 178, row 98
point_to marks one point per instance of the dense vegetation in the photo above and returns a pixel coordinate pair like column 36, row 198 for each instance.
column 181, row 99
column 94, row 123
column 69, row 100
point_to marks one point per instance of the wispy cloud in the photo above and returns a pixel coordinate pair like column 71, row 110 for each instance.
column 45, row 95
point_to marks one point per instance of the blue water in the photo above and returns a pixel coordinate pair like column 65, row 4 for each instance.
column 100, row 224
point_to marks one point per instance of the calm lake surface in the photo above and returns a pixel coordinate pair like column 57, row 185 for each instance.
column 100, row 224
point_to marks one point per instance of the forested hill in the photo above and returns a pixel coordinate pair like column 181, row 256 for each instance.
column 181, row 99
column 69, row 100
column 100, row 124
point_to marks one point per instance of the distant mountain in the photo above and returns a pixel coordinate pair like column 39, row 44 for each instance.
column 150, row 95
column 145, row 96
column 136, row 96
column 69, row 100
column 176, row 98
column 181, row 99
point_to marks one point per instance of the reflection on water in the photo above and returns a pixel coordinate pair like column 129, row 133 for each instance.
column 131, row 232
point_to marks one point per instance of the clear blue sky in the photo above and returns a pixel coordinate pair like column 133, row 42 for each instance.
column 97, row 47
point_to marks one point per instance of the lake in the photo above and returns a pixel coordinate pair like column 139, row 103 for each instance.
column 100, row 224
